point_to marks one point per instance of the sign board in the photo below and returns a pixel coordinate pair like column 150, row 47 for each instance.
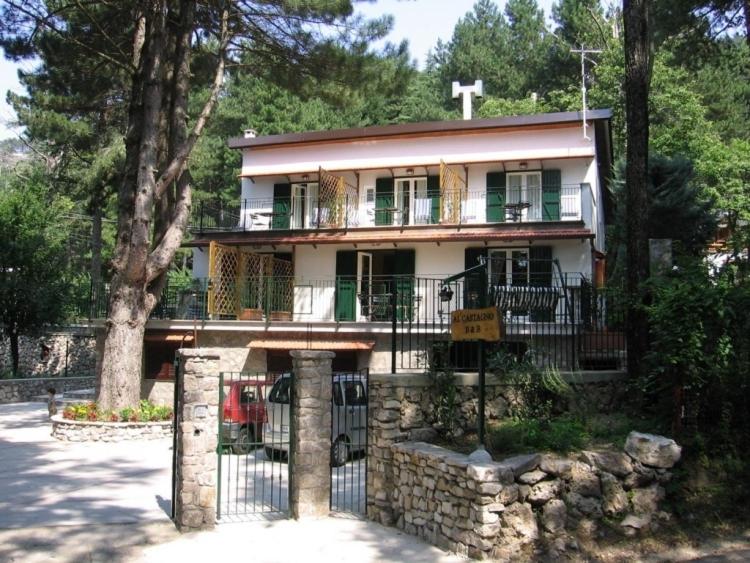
column 475, row 324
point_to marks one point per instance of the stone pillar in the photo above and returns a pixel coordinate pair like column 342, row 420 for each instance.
column 310, row 457
column 197, row 439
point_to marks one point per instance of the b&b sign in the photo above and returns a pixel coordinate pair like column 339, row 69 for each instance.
column 475, row 324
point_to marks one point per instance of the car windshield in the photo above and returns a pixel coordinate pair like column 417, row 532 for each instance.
column 280, row 391
column 354, row 393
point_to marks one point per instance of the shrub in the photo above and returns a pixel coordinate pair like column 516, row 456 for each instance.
column 560, row 435
column 146, row 412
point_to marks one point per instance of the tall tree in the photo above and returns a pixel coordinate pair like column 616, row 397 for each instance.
column 33, row 283
column 154, row 197
column 637, row 81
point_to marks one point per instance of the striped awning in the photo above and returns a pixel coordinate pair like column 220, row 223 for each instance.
column 293, row 344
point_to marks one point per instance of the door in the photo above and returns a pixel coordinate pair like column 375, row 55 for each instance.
column 524, row 192
column 299, row 205
column 346, row 285
column 364, row 280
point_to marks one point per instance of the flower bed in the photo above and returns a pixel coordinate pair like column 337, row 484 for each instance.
column 86, row 422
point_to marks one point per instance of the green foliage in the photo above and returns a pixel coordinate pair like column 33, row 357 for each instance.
column 34, row 282
column 445, row 395
column 533, row 435
column 146, row 412
column 535, row 391
column 699, row 364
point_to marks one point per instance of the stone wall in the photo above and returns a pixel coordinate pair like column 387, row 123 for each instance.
column 46, row 354
column 158, row 391
column 598, row 391
column 35, row 388
column 85, row 431
column 509, row 510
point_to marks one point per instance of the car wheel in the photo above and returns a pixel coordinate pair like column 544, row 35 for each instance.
column 245, row 440
column 271, row 454
column 339, row 452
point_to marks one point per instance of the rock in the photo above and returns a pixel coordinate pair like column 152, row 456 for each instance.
column 646, row 501
column 523, row 492
column 485, row 472
column 584, row 481
column 519, row 521
column 554, row 516
column 614, row 498
column 422, row 434
column 616, row 463
column 497, row 407
column 556, row 466
column 480, row 455
column 521, row 463
column 637, row 479
column 633, row 524
column 532, row 477
column 588, row 506
column 653, row 450
column 543, row 492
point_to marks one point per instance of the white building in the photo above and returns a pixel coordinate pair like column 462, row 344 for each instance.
column 331, row 224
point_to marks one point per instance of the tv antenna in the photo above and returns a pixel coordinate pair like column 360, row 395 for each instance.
column 583, row 51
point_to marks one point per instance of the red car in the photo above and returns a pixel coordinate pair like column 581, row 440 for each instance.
column 243, row 415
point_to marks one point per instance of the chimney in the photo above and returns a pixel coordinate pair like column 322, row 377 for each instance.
column 250, row 133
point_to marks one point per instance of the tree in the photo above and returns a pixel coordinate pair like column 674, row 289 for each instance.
column 155, row 196
column 33, row 285
column 637, row 81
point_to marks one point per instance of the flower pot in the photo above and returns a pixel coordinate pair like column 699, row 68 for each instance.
column 281, row 315
column 250, row 315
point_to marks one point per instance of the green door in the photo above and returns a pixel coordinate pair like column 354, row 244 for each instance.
column 384, row 201
column 540, row 275
column 346, row 285
column 403, row 270
column 282, row 206
column 433, row 192
column 495, row 197
column 551, row 186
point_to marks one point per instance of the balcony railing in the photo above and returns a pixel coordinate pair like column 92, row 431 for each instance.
column 473, row 207
column 566, row 324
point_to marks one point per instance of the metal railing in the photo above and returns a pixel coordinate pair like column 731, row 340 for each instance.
column 564, row 323
column 513, row 205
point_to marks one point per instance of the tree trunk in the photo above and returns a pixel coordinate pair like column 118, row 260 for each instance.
column 637, row 78
column 13, row 337
column 119, row 379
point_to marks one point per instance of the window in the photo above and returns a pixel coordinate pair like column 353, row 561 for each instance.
column 247, row 395
column 525, row 191
column 354, row 392
column 280, row 391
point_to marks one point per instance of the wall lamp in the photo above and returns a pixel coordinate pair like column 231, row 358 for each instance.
column 446, row 294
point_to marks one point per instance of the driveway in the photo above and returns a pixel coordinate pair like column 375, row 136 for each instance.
column 45, row 482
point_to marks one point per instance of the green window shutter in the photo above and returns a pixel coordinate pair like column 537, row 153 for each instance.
column 384, row 200
column 346, row 285
column 551, row 185
column 472, row 282
column 282, row 206
column 433, row 192
column 495, row 197
column 540, row 275
column 403, row 268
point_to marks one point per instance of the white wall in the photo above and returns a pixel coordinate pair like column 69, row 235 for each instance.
column 200, row 262
column 562, row 142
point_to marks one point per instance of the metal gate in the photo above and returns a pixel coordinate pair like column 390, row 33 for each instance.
column 254, row 439
column 349, row 416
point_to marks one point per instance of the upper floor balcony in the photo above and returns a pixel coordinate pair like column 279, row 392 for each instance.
column 408, row 203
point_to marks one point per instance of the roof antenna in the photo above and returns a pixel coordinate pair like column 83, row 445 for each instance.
column 584, row 51
column 465, row 92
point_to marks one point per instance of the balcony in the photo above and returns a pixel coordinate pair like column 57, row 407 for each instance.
column 574, row 202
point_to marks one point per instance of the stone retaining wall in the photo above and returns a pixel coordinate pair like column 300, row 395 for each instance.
column 510, row 510
column 51, row 352
column 599, row 391
column 32, row 388
column 85, row 431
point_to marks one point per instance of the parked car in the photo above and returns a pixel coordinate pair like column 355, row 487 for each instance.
column 349, row 424
column 244, row 413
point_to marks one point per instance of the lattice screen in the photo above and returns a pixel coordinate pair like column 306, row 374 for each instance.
column 248, row 280
column 224, row 271
column 452, row 194
column 338, row 200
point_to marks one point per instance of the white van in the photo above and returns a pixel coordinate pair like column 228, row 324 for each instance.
column 349, row 417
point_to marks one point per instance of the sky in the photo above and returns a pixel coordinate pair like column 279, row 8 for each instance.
column 422, row 22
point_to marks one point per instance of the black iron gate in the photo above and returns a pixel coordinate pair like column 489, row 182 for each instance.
column 254, row 439
column 349, row 417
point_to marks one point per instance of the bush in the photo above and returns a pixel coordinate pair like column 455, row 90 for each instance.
column 560, row 435
column 146, row 412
